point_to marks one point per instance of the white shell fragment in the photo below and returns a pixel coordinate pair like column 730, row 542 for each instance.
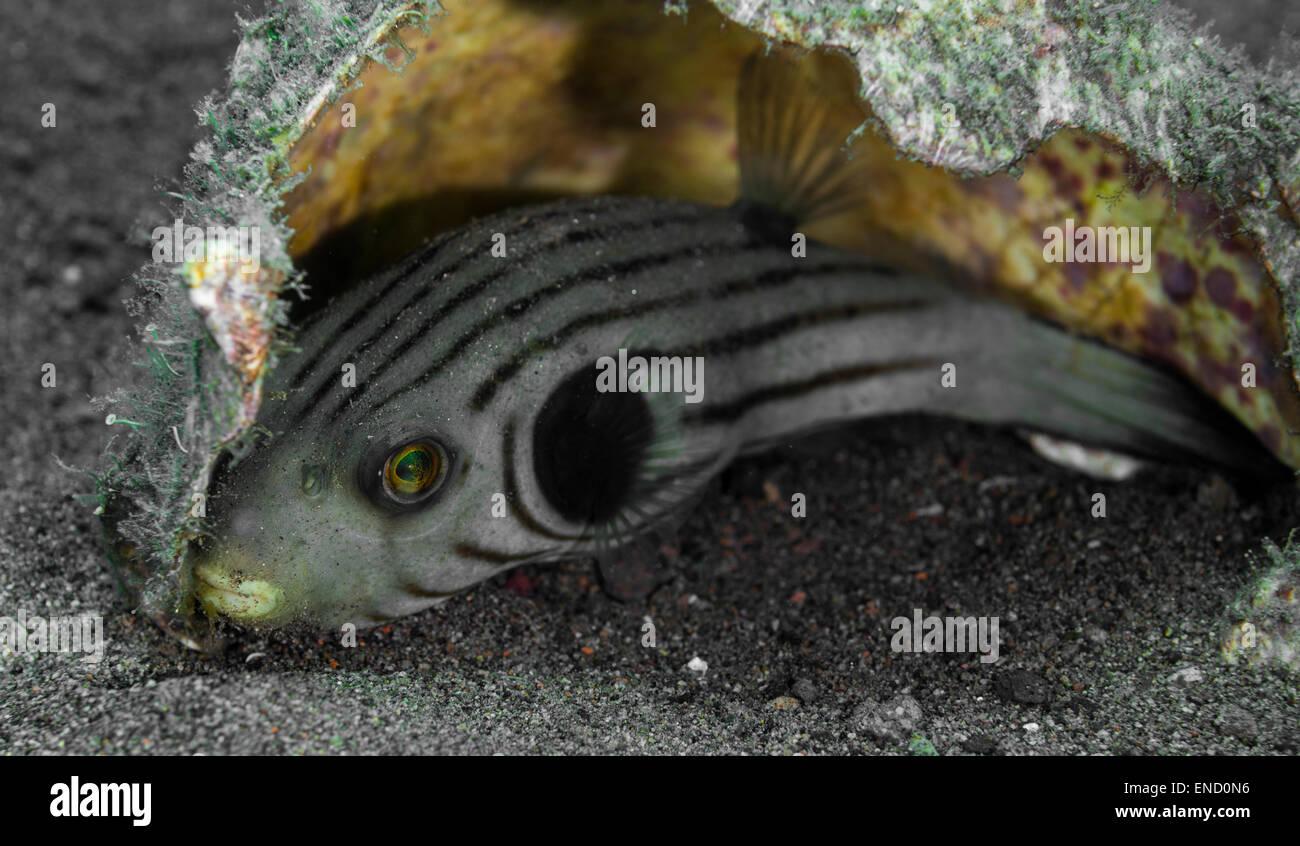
column 1098, row 463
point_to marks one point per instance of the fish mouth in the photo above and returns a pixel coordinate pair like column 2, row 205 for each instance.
column 235, row 596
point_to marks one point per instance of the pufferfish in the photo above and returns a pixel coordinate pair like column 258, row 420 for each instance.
column 479, row 430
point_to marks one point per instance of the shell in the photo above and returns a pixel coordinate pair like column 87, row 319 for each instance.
column 350, row 137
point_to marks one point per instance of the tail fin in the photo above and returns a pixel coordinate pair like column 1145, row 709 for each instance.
column 1049, row 379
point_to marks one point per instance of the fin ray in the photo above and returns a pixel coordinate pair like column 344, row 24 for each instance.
column 793, row 125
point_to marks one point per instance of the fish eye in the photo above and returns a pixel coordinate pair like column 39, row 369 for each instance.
column 414, row 471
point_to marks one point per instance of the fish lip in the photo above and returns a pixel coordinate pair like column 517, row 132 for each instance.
column 214, row 580
column 221, row 594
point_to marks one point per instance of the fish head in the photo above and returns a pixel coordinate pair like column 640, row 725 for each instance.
column 362, row 521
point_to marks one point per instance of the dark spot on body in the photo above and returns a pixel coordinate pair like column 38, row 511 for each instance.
column 1239, row 245
column 1159, row 331
column 1201, row 212
column 588, row 447
column 1212, row 375
column 1068, row 184
column 1177, row 278
column 1221, row 285
column 1244, row 311
column 764, row 222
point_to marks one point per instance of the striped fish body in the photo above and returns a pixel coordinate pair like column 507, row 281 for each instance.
column 465, row 346
column 491, row 358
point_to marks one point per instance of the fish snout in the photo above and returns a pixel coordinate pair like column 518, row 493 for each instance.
column 226, row 585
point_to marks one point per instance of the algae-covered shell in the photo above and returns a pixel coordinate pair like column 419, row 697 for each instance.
column 350, row 132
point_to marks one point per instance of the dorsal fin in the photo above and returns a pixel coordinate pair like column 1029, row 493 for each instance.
column 793, row 122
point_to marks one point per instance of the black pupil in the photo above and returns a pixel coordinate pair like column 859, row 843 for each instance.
column 413, row 467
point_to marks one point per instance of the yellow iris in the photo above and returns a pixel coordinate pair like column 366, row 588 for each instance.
column 412, row 469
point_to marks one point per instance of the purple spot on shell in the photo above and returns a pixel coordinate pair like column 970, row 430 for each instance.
column 1208, row 374
column 1200, row 212
column 1068, row 185
column 1159, row 330
column 1221, row 285
column 1244, row 311
column 1216, row 376
column 1177, row 278
column 1234, row 246
column 1076, row 276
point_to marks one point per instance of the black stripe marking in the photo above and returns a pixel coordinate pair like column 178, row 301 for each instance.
column 764, row 333
column 492, row 556
column 474, row 288
column 732, row 411
column 414, row 264
column 552, row 288
column 413, row 589
column 749, row 337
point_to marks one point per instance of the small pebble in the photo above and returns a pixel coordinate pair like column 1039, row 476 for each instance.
column 1240, row 723
column 1186, row 677
column 805, row 691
